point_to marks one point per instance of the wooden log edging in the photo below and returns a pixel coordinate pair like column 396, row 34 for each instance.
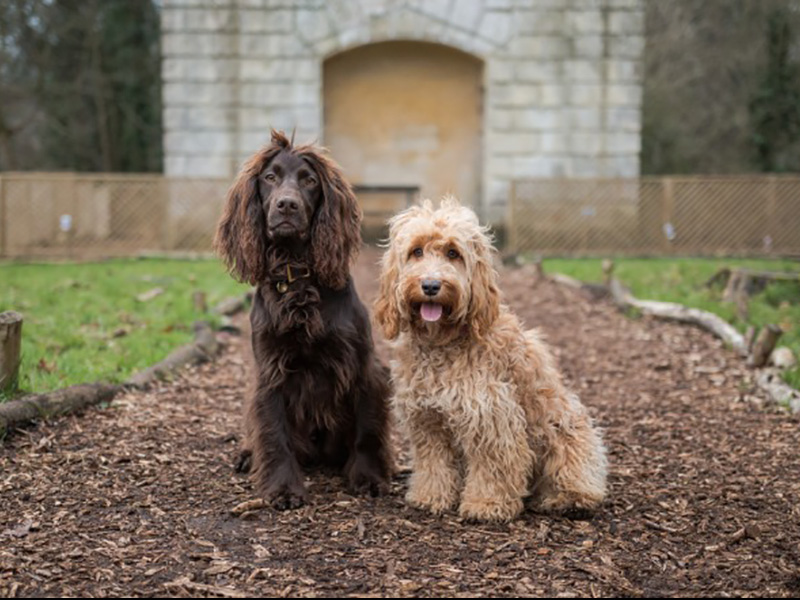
column 203, row 349
column 767, row 379
column 782, row 393
column 61, row 402
column 77, row 397
column 26, row 409
column 234, row 304
column 672, row 311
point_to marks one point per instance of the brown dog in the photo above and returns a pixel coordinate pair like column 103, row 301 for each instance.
column 291, row 226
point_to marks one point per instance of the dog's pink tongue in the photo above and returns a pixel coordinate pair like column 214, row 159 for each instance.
column 430, row 311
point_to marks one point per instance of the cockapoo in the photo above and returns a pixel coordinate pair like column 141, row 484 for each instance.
column 489, row 419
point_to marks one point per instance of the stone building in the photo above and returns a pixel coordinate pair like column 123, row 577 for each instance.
column 459, row 96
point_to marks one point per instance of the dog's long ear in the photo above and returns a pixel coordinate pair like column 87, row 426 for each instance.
column 387, row 305
column 484, row 307
column 241, row 236
column 336, row 230
column 387, row 309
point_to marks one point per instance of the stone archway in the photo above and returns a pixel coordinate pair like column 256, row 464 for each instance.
column 407, row 113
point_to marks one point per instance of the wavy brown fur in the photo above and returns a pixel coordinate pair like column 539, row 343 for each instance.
column 321, row 395
column 241, row 238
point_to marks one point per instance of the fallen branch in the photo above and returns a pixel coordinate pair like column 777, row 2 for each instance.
column 203, row 349
column 782, row 393
column 60, row 402
column 758, row 279
column 72, row 399
column 567, row 281
column 768, row 380
column 234, row 304
column 595, row 290
column 683, row 314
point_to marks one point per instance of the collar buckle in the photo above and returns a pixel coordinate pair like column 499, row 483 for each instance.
column 291, row 277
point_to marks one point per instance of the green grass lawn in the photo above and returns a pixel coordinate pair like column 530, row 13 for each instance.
column 681, row 280
column 73, row 311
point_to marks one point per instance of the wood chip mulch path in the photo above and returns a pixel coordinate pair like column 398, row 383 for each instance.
column 134, row 499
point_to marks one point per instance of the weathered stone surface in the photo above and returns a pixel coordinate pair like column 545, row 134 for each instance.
column 561, row 80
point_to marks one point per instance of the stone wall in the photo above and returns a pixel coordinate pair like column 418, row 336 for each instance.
column 562, row 78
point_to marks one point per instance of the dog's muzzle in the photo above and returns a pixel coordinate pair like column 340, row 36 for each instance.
column 431, row 287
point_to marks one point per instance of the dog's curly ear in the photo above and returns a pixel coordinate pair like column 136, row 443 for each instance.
column 336, row 231
column 484, row 306
column 386, row 308
column 388, row 313
column 241, row 237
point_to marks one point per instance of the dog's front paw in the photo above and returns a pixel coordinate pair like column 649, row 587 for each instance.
column 366, row 478
column 244, row 461
column 286, row 491
column 436, row 504
column 437, row 498
column 571, row 505
column 490, row 509
column 288, row 500
column 364, row 487
column 288, row 496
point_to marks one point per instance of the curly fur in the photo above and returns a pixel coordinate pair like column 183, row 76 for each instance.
column 489, row 419
column 321, row 395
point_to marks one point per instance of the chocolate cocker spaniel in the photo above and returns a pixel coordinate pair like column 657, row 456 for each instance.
column 291, row 227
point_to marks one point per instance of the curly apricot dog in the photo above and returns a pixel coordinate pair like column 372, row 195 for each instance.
column 489, row 418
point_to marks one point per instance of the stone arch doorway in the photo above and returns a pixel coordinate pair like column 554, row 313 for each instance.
column 409, row 114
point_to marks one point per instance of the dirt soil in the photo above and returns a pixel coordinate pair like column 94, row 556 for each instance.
column 134, row 499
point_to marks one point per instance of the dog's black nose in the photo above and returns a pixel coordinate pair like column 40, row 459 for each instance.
column 431, row 287
column 287, row 205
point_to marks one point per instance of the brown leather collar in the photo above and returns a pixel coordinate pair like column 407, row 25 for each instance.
column 292, row 275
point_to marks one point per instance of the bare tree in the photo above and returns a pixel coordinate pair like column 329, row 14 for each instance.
column 80, row 85
column 703, row 64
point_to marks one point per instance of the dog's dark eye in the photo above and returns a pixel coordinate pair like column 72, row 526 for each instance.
column 453, row 254
column 309, row 182
column 417, row 252
column 271, row 177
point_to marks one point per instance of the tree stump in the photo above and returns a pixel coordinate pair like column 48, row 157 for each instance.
column 10, row 342
column 608, row 271
column 750, row 338
column 732, row 287
column 538, row 268
column 199, row 302
column 765, row 343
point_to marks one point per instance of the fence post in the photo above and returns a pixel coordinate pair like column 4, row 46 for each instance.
column 513, row 241
column 2, row 218
column 164, row 191
column 73, row 212
column 667, row 209
column 772, row 224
